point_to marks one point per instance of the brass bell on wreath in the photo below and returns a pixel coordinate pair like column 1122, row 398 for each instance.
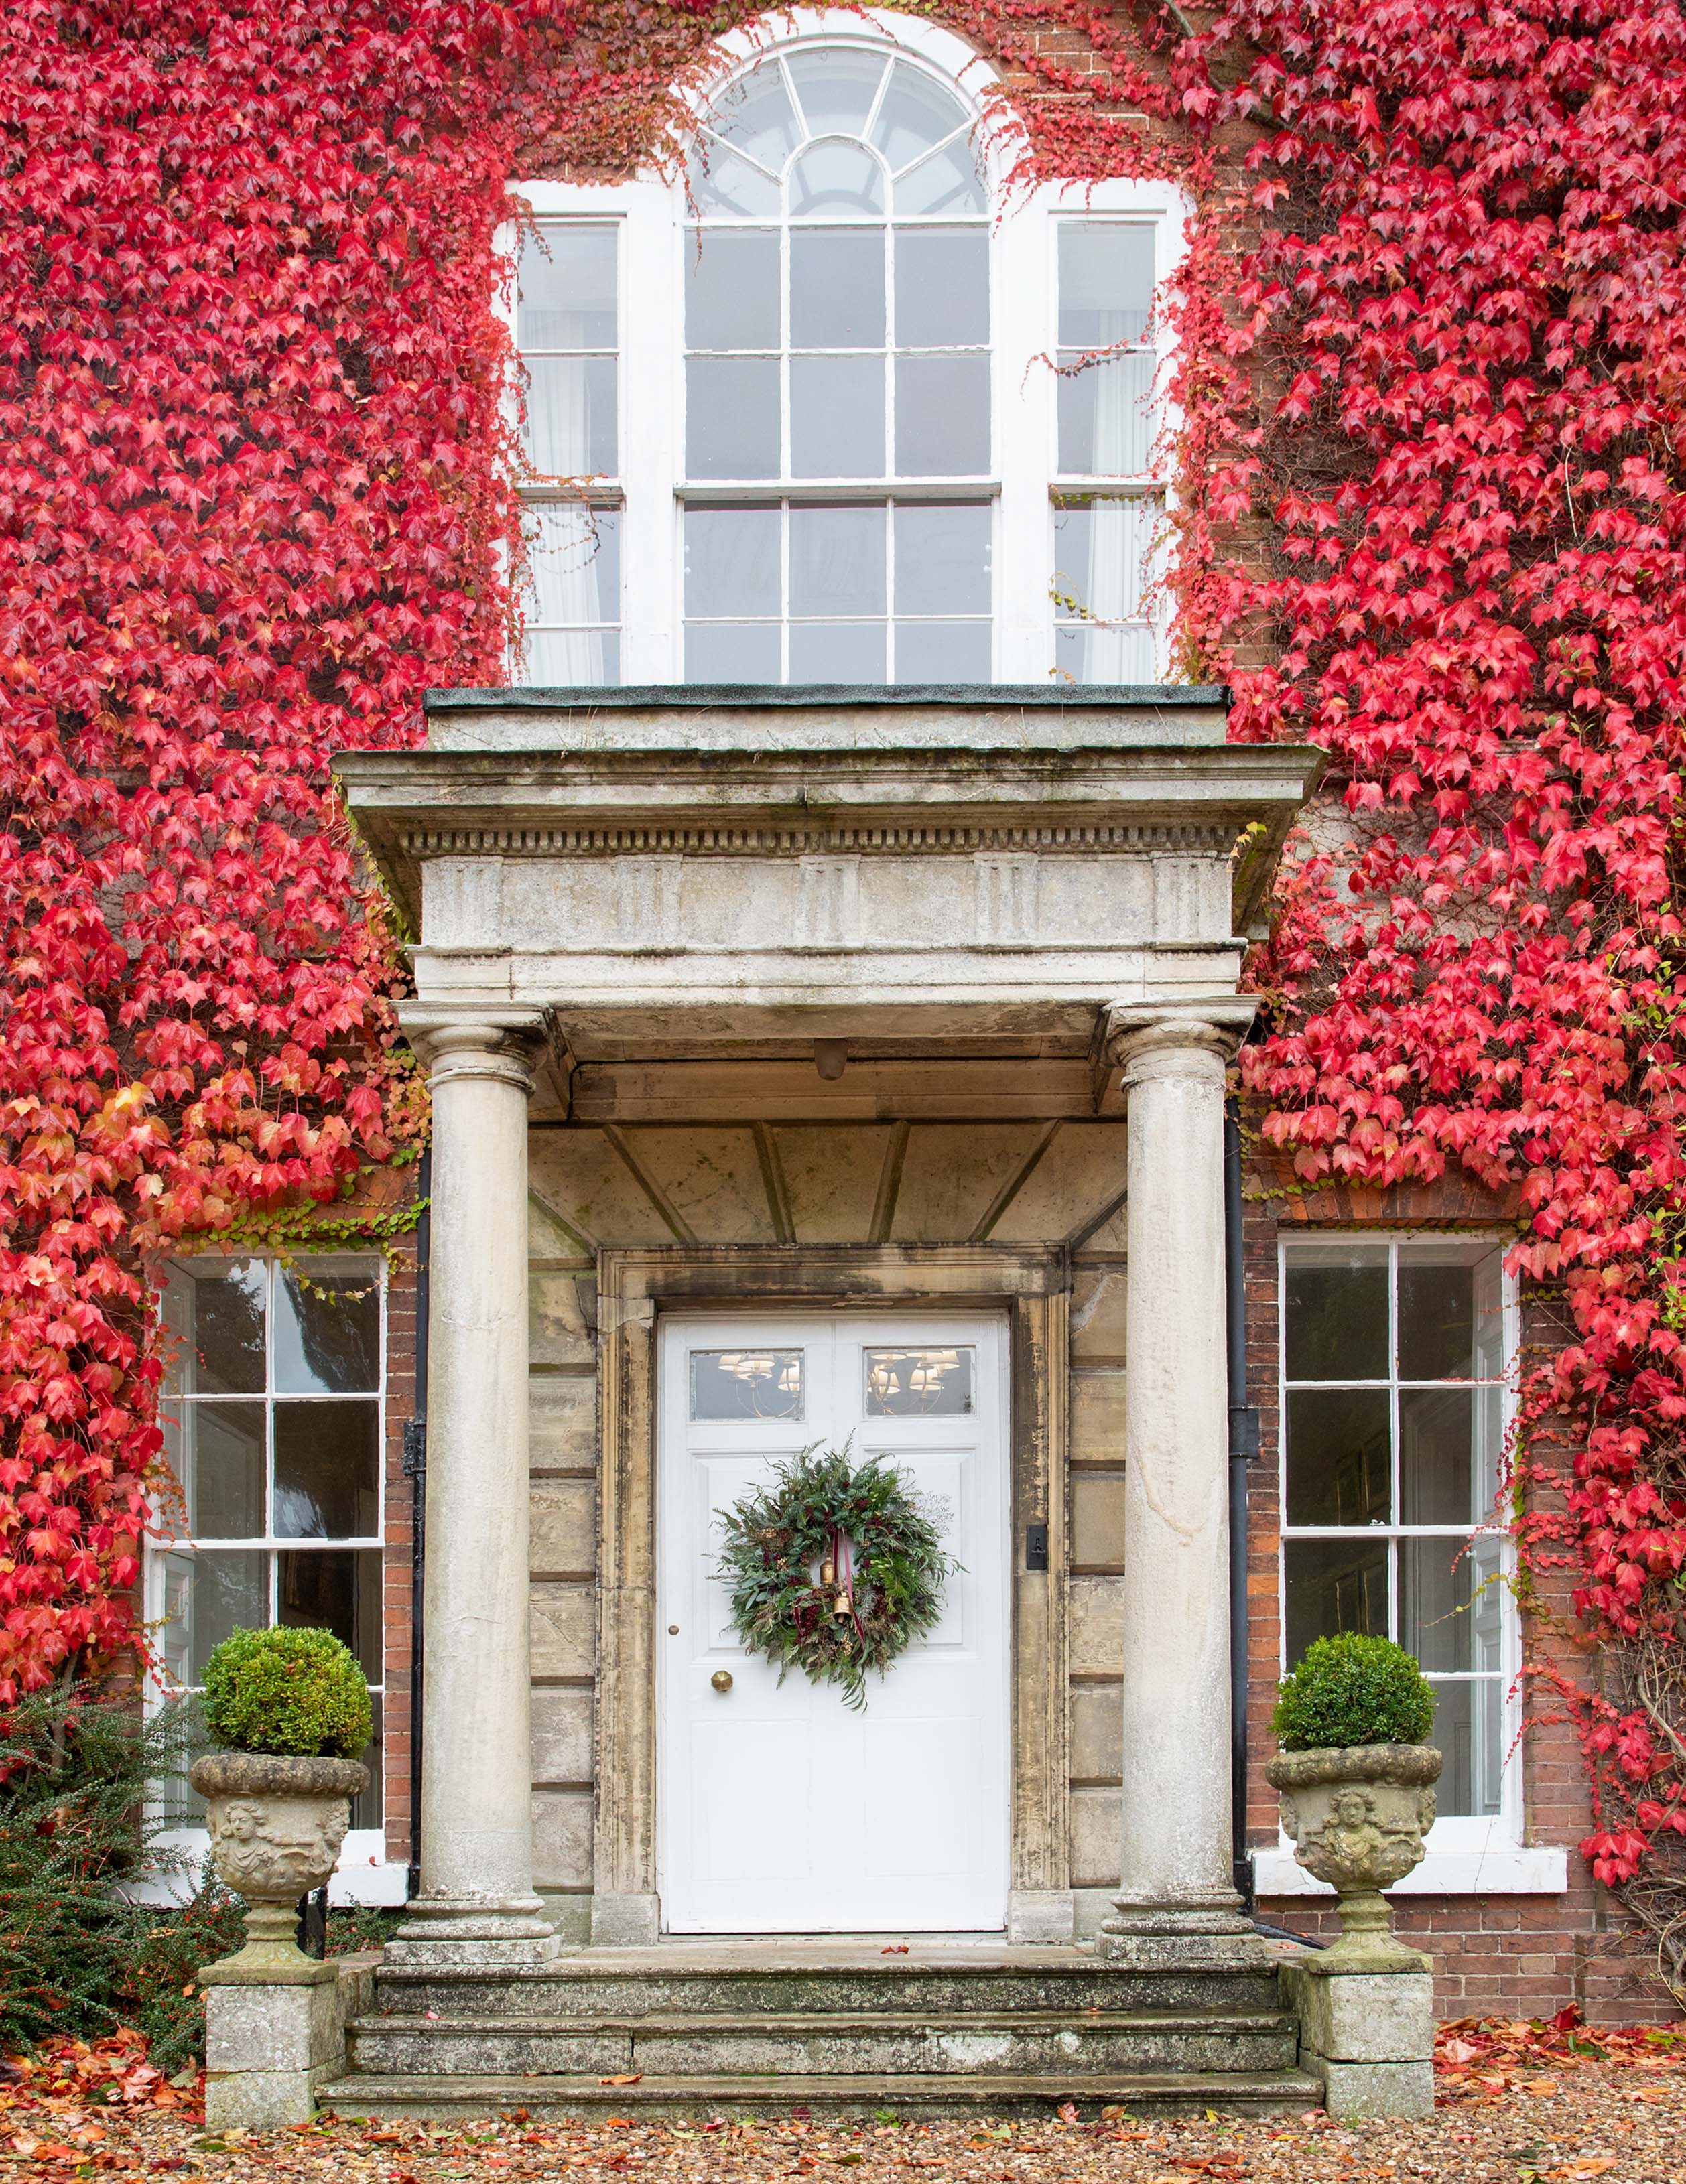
column 845, row 1608
column 828, row 1575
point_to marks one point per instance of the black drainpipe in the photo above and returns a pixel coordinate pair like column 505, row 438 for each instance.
column 415, row 1471
column 1243, row 1449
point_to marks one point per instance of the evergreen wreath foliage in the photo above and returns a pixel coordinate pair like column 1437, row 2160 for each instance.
column 821, row 1509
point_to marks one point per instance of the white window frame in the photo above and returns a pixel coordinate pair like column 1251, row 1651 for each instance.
column 650, row 490
column 1465, row 1854
column 363, row 1873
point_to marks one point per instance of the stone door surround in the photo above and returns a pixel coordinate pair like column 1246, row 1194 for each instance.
column 1033, row 1288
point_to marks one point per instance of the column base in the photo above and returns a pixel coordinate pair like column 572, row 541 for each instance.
column 441, row 1930
column 1207, row 1933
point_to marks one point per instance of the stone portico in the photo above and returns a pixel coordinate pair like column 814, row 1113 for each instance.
column 820, row 997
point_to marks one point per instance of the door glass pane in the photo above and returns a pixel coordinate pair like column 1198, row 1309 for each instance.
column 942, row 557
column 1105, row 416
column 837, row 561
column 223, row 1455
column 754, row 113
column 747, row 1384
column 1339, row 1456
column 732, row 561
column 328, row 1332
column 836, row 177
column 336, row 1589
column 837, row 287
column 571, row 422
column 214, row 1594
column 1106, row 282
column 838, row 651
column 942, row 415
column 942, row 287
column 945, row 182
column 718, row 181
column 836, row 88
column 943, row 652
column 325, row 1477
column 731, row 417
column 1436, row 1321
column 1437, row 1456
column 1332, row 1585
column 731, row 289
column 731, row 652
column 915, row 114
column 936, row 1382
column 567, row 284
column 837, row 416
column 1336, row 1309
column 224, row 1333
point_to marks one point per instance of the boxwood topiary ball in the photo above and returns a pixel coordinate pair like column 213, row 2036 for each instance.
column 300, row 1692
column 1353, row 1690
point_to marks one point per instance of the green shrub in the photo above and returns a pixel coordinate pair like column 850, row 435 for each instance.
column 300, row 1692
column 1353, row 1690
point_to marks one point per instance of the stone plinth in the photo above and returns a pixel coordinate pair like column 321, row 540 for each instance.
column 269, row 2046
column 1368, row 2036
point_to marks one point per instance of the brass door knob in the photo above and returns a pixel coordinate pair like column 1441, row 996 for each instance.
column 721, row 1680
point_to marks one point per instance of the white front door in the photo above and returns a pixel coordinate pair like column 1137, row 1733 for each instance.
column 780, row 1810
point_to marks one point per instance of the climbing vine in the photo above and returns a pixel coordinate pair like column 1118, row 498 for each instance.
column 256, row 493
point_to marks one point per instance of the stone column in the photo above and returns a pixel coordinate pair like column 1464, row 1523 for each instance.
column 1177, row 1902
column 476, row 1903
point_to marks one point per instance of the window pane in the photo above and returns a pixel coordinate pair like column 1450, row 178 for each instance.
column 747, row 1384
column 837, row 416
column 223, row 1469
column 837, row 561
column 731, row 289
column 336, row 1589
column 837, row 287
column 1436, row 1580
column 210, row 1595
column 915, row 114
column 945, row 182
column 567, row 287
column 1106, row 417
column 366, row 1810
column 1332, row 1585
column 1104, row 552
column 943, row 652
column 731, row 417
column 327, row 1331
column 1106, row 282
column 571, row 424
column 574, row 559
column 1436, row 1320
column 1437, row 1476
column 224, row 1349
column 942, row 557
column 942, row 287
column 837, row 651
column 731, row 652
column 917, row 1384
column 1469, row 1731
column 836, row 88
column 716, row 180
column 326, row 1457
column 942, row 416
column 1339, row 1456
column 573, row 659
column 1092, row 652
column 732, row 561
column 754, row 113
column 833, row 178
column 1335, row 1305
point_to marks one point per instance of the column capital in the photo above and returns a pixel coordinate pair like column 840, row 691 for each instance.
column 1198, row 1039
column 505, row 1048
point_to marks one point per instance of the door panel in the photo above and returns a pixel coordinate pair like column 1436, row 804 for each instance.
column 780, row 1810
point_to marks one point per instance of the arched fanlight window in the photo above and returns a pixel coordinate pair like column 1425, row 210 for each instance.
column 837, row 332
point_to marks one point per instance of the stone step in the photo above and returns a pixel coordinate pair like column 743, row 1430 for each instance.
column 911, row 2095
column 828, row 2043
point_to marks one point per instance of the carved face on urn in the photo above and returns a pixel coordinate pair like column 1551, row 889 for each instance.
column 1358, row 1834
column 277, row 1846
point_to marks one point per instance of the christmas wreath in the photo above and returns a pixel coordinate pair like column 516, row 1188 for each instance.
column 832, row 1569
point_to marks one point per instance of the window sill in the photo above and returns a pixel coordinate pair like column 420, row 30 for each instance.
column 1502, row 1869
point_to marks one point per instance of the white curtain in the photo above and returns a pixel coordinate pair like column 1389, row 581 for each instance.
column 556, row 441
column 574, row 578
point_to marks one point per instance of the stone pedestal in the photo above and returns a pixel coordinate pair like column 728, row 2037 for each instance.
column 1368, row 2036
column 269, row 2044
column 477, row 1904
column 1176, row 1904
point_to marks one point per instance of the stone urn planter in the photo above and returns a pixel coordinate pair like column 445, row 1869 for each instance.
column 1357, row 1814
column 276, row 1825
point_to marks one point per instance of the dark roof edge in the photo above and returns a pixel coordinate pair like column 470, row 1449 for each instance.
column 702, row 697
